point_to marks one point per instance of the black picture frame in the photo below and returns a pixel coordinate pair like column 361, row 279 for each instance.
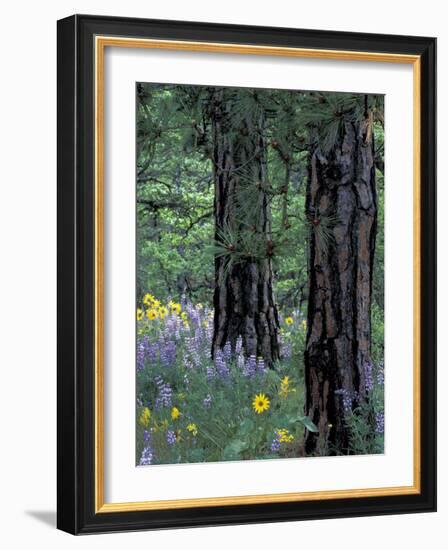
column 76, row 254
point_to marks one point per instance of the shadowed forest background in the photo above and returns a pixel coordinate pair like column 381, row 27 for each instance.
column 260, row 274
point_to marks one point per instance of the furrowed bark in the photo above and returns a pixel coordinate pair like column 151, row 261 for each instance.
column 341, row 207
column 243, row 298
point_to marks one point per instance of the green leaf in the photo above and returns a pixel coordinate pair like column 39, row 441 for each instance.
column 196, row 455
column 246, row 428
column 234, row 449
column 308, row 423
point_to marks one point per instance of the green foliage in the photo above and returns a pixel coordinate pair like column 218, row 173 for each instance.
column 175, row 194
column 366, row 422
column 228, row 428
column 174, row 198
column 328, row 113
column 322, row 226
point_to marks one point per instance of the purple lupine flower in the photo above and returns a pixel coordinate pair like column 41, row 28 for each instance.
column 146, row 436
column 227, row 351
column 165, row 393
column 347, row 399
column 207, row 401
column 261, row 366
column 240, row 361
column 172, row 328
column 146, row 351
column 168, row 354
column 192, row 347
column 140, row 356
column 170, row 331
column 194, row 316
column 238, row 345
column 275, row 445
column 379, row 423
column 170, row 437
column 380, row 374
column 250, row 366
column 287, row 350
column 221, row 365
column 161, row 347
column 153, row 352
column 198, row 338
column 368, row 376
column 177, row 329
column 210, row 373
column 209, row 334
column 146, row 456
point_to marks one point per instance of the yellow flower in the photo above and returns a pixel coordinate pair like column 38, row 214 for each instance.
column 152, row 314
column 175, row 308
column 284, row 436
column 260, row 403
column 199, row 306
column 148, row 299
column 304, row 324
column 285, row 388
column 289, row 320
column 139, row 314
column 193, row 429
column 175, row 413
column 144, row 417
column 184, row 315
column 186, row 325
column 163, row 312
column 155, row 304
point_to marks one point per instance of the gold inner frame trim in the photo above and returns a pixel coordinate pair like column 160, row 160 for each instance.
column 101, row 42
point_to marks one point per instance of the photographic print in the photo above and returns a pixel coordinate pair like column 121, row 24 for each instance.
column 224, row 298
column 260, row 274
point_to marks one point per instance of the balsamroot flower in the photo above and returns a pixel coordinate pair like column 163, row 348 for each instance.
column 152, row 314
column 261, row 403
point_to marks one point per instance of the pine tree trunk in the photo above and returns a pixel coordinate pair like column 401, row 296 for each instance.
column 243, row 298
column 341, row 207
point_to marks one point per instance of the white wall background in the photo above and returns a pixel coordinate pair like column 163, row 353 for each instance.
column 28, row 272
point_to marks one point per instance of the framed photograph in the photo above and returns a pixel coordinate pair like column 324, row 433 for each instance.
column 246, row 271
